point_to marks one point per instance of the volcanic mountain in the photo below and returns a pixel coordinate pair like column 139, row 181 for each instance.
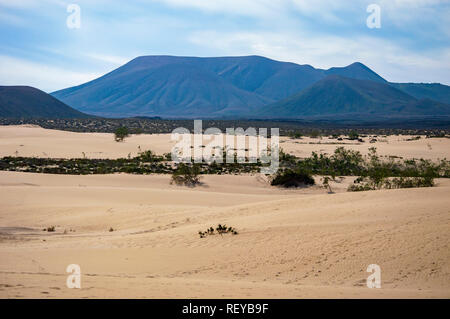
column 247, row 86
column 191, row 86
column 29, row 102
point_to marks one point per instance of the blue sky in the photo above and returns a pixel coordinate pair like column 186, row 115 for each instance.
column 38, row 49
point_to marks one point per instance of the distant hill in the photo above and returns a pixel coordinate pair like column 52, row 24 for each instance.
column 357, row 71
column 337, row 95
column 29, row 102
column 433, row 91
column 171, row 86
column 247, row 86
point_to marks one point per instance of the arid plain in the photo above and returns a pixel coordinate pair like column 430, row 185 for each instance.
column 301, row 243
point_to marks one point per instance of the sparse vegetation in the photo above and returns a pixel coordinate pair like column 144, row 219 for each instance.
column 353, row 135
column 121, row 133
column 368, row 183
column 342, row 162
column 326, row 184
column 187, row 175
column 431, row 129
column 220, row 230
column 374, row 171
column 50, row 229
column 346, row 162
column 314, row 134
column 292, row 178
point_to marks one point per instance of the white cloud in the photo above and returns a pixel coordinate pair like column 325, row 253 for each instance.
column 30, row 4
column 15, row 71
column 110, row 59
column 384, row 57
column 11, row 19
column 19, row 3
column 400, row 11
column 243, row 7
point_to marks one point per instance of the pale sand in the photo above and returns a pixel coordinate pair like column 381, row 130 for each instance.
column 26, row 140
column 292, row 243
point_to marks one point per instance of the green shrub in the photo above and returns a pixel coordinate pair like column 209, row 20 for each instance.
column 353, row 135
column 291, row 178
column 149, row 156
column 360, row 188
column 120, row 133
column 410, row 182
column 187, row 175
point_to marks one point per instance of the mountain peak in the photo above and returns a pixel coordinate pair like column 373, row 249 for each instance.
column 356, row 70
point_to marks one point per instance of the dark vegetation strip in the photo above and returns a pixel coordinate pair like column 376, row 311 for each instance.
column 297, row 128
column 342, row 162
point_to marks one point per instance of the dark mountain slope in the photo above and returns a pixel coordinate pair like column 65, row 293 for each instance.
column 29, row 102
column 269, row 78
column 171, row 86
column 191, row 86
column 168, row 86
column 343, row 96
column 433, row 91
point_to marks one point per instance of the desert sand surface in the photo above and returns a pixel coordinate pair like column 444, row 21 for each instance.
column 302, row 243
column 291, row 244
column 27, row 140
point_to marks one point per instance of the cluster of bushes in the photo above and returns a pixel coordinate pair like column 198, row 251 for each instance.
column 375, row 172
column 345, row 162
column 220, row 229
column 84, row 166
column 367, row 183
column 145, row 163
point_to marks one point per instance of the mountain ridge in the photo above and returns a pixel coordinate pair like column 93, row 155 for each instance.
column 176, row 86
column 337, row 95
column 151, row 86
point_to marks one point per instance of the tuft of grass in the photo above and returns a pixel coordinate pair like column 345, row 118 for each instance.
column 50, row 229
column 220, row 230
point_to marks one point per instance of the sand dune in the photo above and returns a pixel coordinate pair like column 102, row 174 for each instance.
column 26, row 140
column 291, row 243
